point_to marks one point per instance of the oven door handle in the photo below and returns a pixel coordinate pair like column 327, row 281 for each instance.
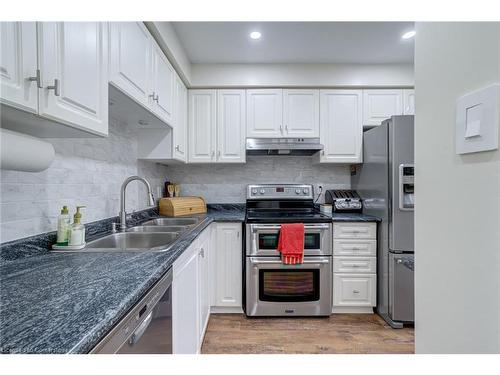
column 320, row 261
column 256, row 228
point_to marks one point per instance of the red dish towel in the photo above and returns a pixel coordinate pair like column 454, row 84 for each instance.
column 291, row 243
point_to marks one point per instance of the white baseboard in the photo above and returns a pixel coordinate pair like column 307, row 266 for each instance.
column 226, row 310
column 352, row 310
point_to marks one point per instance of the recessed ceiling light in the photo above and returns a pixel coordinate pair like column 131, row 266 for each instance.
column 255, row 35
column 408, row 34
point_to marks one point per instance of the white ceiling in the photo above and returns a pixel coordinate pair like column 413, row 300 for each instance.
column 296, row 42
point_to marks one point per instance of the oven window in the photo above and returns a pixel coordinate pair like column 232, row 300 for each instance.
column 289, row 285
column 269, row 241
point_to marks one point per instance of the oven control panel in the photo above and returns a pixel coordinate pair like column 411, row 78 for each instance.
column 285, row 191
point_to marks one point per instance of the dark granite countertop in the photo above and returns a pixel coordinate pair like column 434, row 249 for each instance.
column 66, row 302
column 353, row 217
column 54, row 302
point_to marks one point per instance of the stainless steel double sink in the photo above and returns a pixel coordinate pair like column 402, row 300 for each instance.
column 153, row 235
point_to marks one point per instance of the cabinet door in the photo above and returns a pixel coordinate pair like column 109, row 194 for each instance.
column 354, row 290
column 73, row 61
column 228, row 265
column 162, row 101
column 179, row 138
column 341, row 126
column 264, row 113
column 301, row 113
column 408, row 102
column 231, row 126
column 130, row 60
column 185, row 307
column 202, row 126
column 18, row 62
column 379, row 105
column 204, row 281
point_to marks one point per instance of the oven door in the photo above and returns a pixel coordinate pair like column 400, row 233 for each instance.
column 276, row 289
column 262, row 239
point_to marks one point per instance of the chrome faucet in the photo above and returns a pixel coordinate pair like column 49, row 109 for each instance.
column 123, row 213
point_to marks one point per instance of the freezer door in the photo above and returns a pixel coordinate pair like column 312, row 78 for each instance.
column 401, row 154
column 401, row 284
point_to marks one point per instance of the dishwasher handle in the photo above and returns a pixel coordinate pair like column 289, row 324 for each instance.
column 136, row 336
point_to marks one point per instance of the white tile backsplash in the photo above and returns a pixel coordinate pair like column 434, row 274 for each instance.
column 85, row 172
column 226, row 183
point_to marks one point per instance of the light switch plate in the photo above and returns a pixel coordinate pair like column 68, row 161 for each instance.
column 478, row 118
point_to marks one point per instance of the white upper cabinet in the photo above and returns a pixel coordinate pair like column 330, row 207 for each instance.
column 179, row 138
column 264, row 113
column 231, row 126
column 216, row 126
column 130, row 60
column 59, row 71
column 409, row 102
column 73, row 60
column 18, row 65
column 202, row 126
column 379, row 105
column 341, row 126
column 162, row 82
column 301, row 113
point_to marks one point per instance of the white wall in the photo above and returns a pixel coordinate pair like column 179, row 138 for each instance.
column 85, row 172
column 313, row 75
column 226, row 183
column 457, row 217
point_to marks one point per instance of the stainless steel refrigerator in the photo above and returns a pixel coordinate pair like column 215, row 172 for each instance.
column 385, row 183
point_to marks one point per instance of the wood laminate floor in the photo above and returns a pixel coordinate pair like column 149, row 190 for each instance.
column 339, row 333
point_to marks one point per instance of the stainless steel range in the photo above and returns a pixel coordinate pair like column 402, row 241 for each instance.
column 273, row 288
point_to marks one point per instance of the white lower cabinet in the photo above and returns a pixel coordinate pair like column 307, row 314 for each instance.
column 227, row 267
column 354, row 267
column 185, row 303
column 354, row 290
column 211, row 266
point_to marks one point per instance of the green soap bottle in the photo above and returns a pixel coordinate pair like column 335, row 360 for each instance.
column 77, row 229
column 63, row 224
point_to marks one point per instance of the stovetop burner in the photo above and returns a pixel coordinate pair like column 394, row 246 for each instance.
column 281, row 204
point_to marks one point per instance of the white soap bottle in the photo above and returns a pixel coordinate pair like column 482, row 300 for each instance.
column 77, row 229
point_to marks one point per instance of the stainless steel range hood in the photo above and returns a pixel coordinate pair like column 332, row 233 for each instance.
column 283, row 146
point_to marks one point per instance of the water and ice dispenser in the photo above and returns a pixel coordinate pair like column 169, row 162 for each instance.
column 406, row 187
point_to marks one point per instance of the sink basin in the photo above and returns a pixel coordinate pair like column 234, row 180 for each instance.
column 158, row 228
column 173, row 221
column 133, row 241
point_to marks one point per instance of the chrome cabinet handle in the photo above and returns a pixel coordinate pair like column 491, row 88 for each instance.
column 177, row 148
column 323, row 152
column 152, row 96
column 37, row 78
column 157, row 98
column 55, row 87
column 218, row 153
column 286, row 128
column 202, row 253
column 355, row 291
column 281, row 129
column 213, row 153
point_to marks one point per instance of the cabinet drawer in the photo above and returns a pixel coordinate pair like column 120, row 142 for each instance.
column 354, row 290
column 354, row 264
column 355, row 230
column 355, row 247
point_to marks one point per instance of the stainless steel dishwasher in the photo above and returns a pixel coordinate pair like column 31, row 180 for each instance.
column 147, row 328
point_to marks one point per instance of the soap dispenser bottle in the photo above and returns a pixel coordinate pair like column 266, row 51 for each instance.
column 77, row 229
column 63, row 223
